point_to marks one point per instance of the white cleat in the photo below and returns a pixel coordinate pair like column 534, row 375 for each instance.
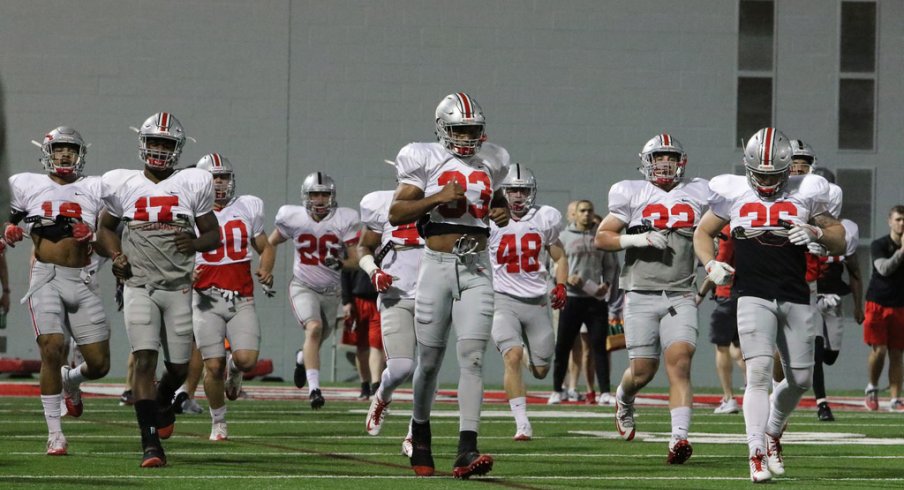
column 605, row 399
column 727, row 406
column 555, row 398
column 191, row 406
column 774, row 455
column 624, row 420
column 218, row 432
column 375, row 415
column 759, row 471
column 407, row 446
column 573, row 396
column 56, row 444
column 524, row 433
column 72, row 395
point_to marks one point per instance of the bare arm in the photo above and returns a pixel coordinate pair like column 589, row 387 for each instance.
column 707, row 230
column 608, row 235
column 409, row 203
column 209, row 228
column 557, row 254
column 832, row 233
column 856, row 281
column 4, row 279
column 276, row 238
column 267, row 253
column 108, row 242
column 369, row 242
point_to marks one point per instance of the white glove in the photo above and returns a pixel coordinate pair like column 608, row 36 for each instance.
column 828, row 300
column 719, row 273
column 803, row 234
column 817, row 249
column 655, row 239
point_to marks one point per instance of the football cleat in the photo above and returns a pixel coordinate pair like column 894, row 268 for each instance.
column 375, row 415
column 317, row 400
column 153, row 457
column 872, row 400
column 573, row 396
column 233, row 386
column 179, row 401
column 218, row 432
column 774, row 459
column 896, row 405
column 759, row 471
column 624, row 420
column 407, row 447
column 299, row 377
column 421, row 455
column 190, row 405
column 824, row 413
column 728, row 406
column 556, row 397
column 166, row 422
column 679, row 451
column 590, row 397
column 72, row 395
column 524, row 433
column 127, row 398
column 57, row 445
column 605, row 399
column 365, row 391
column 472, row 463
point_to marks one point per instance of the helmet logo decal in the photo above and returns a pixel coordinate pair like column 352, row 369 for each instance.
column 666, row 140
column 465, row 104
column 163, row 122
column 767, row 146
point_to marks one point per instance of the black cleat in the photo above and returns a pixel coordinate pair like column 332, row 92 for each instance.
column 421, row 456
column 472, row 463
column 166, row 422
column 365, row 391
column 317, row 400
column 127, row 398
column 300, row 377
column 824, row 413
column 153, row 457
column 178, row 401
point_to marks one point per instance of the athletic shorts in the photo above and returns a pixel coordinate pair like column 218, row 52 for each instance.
column 159, row 318
column 215, row 319
column 64, row 300
column 883, row 325
column 723, row 324
column 397, row 328
column 766, row 325
column 526, row 321
column 656, row 320
column 367, row 322
column 310, row 305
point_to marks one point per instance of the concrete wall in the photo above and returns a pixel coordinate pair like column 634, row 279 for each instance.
column 573, row 89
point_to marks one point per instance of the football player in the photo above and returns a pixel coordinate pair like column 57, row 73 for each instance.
column 59, row 210
column 522, row 317
column 394, row 276
column 223, row 298
column 323, row 234
column 773, row 217
column 160, row 208
column 659, row 214
column 450, row 187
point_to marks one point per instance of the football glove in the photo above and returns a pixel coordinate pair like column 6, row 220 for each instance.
column 13, row 234
column 655, row 239
column 817, row 249
column 557, row 296
column 826, row 301
column 381, row 280
column 804, row 234
column 82, row 232
column 719, row 273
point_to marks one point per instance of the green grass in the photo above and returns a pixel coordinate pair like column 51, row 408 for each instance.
column 284, row 444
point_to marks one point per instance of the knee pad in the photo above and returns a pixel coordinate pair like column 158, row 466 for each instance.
column 470, row 354
column 759, row 372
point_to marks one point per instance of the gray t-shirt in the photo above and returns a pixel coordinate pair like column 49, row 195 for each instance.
column 152, row 253
column 585, row 260
column 651, row 269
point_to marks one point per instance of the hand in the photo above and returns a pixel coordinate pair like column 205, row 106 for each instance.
column 826, row 301
column 601, row 291
column 655, row 239
column 858, row 314
column 575, row 280
column 698, row 298
column 332, row 262
column 348, row 315
column 719, row 272
column 817, row 249
column 381, row 280
column 451, row 192
column 13, row 234
column 264, row 277
column 500, row 216
column 185, row 243
column 558, row 296
column 82, row 232
column 122, row 269
column 804, row 234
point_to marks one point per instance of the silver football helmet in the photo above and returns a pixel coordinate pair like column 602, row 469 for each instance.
column 519, row 177
column 219, row 165
column 767, row 160
column 63, row 135
column 318, row 182
column 161, row 126
column 663, row 172
column 800, row 150
column 460, row 124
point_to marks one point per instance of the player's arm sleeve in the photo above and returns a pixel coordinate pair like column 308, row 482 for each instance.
column 718, row 203
column 17, row 201
column 108, row 185
column 282, row 226
column 554, row 225
column 352, row 229
column 620, row 202
column 409, row 169
column 256, row 206
column 370, row 216
column 205, row 195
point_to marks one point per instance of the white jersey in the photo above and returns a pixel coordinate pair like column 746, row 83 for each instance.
column 430, row 166
column 314, row 241
column 228, row 266
column 153, row 213
column 835, row 198
column 44, row 201
column 518, row 252
column 803, row 197
column 641, row 204
column 405, row 250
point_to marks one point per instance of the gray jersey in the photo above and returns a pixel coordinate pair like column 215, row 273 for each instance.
column 585, row 260
column 152, row 253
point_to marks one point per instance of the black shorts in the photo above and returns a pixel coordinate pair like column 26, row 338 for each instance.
column 723, row 324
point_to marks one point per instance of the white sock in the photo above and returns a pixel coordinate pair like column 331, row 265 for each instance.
column 52, row 412
column 681, row 422
column 182, row 389
column 313, row 376
column 218, row 415
column 75, row 374
column 519, row 410
column 820, row 400
column 299, row 357
column 622, row 399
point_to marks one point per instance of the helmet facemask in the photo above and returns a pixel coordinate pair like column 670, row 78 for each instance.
column 158, row 152
column 519, row 198
column 463, row 140
column 224, row 189
column 664, row 168
column 768, row 184
column 767, row 160
column 320, row 204
column 801, row 165
column 63, row 152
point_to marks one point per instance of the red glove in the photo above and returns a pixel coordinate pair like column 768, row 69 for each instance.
column 13, row 234
column 82, row 232
column 557, row 295
column 381, row 280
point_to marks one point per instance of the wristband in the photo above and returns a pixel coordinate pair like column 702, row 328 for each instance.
column 368, row 265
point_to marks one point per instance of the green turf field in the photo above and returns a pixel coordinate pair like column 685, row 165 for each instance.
column 284, row 444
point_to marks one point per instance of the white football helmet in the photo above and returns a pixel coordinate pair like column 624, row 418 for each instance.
column 662, row 173
column 219, row 165
column 800, row 150
column 767, row 160
column 460, row 124
column 318, row 182
column 519, row 177
column 63, row 135
column 161, row 126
